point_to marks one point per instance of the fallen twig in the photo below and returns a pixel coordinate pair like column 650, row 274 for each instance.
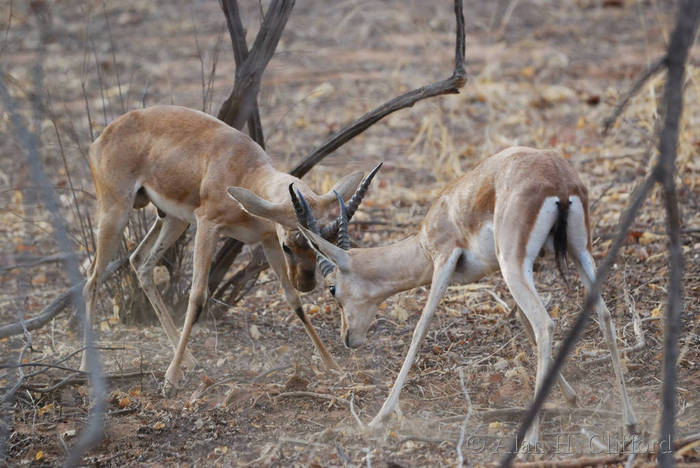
column 463, row 427
column 324, row 396
column 354, row 414
column 34, row 261
column 64, row 300
column 488, row 414
column 80, row 377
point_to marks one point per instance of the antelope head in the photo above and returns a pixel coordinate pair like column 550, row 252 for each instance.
column 352, row 291
column 300, row 258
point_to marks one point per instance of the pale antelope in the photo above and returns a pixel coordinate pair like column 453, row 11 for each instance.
column 188, row 164
column 499, row 215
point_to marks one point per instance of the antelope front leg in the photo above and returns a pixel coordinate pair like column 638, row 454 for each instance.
column 275, row 258
column 442, row 274
column 204, row 245
column 144, row 258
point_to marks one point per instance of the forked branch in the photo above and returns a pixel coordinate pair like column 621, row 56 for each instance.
column 449, row 86
column 237, row 108
column 240, row 55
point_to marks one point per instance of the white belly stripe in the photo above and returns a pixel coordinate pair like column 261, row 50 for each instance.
column 173, row 208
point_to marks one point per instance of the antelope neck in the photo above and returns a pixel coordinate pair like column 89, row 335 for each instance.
column 393, row 268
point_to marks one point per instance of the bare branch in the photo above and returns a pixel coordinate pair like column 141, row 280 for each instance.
column 652, row 70
column 94, row 430
column 665, row 170
column 238, row 106
column 448, row 86
column 232, row 247
column 63, row 301
column 240, row 54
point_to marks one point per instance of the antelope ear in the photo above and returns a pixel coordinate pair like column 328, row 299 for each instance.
column 345, row 187
column 256, row 206
column 336, row 255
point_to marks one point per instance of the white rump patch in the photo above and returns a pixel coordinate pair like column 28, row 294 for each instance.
column 576, row 233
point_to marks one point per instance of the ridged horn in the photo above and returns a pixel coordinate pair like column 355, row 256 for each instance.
column 330, row 231
column 301, row 208
column 306, row 219
column 343, row 234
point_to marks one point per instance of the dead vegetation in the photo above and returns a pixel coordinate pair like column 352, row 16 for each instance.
column 539, row 75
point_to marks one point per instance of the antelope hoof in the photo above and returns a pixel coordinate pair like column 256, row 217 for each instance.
column 170, row 383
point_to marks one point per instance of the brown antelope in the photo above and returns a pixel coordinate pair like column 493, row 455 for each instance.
column 185, row 162
column 500, row 215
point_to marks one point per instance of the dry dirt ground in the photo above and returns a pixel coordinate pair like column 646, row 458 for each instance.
column 543, row 74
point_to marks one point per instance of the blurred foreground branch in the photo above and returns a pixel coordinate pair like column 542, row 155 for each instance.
column 663, row 172
column 93, row 432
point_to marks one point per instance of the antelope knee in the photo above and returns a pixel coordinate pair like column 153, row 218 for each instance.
column 543, row 333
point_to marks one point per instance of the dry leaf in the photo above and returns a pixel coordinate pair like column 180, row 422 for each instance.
column 496, row 426
column 527, row 72
column 158, row 426
column 39, row 279
column 555, row 311
column 45, row 409
column 221, row 450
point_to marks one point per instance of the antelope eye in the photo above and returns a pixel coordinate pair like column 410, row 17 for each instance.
column 286, row 249
column 332, row 290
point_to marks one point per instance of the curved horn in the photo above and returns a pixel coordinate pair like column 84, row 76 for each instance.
column 330, row 230
column 325, row 265
column 304, row 214
column 343, row 234
column 306, row 219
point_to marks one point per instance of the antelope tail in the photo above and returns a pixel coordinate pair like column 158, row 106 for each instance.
column 559, row 236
